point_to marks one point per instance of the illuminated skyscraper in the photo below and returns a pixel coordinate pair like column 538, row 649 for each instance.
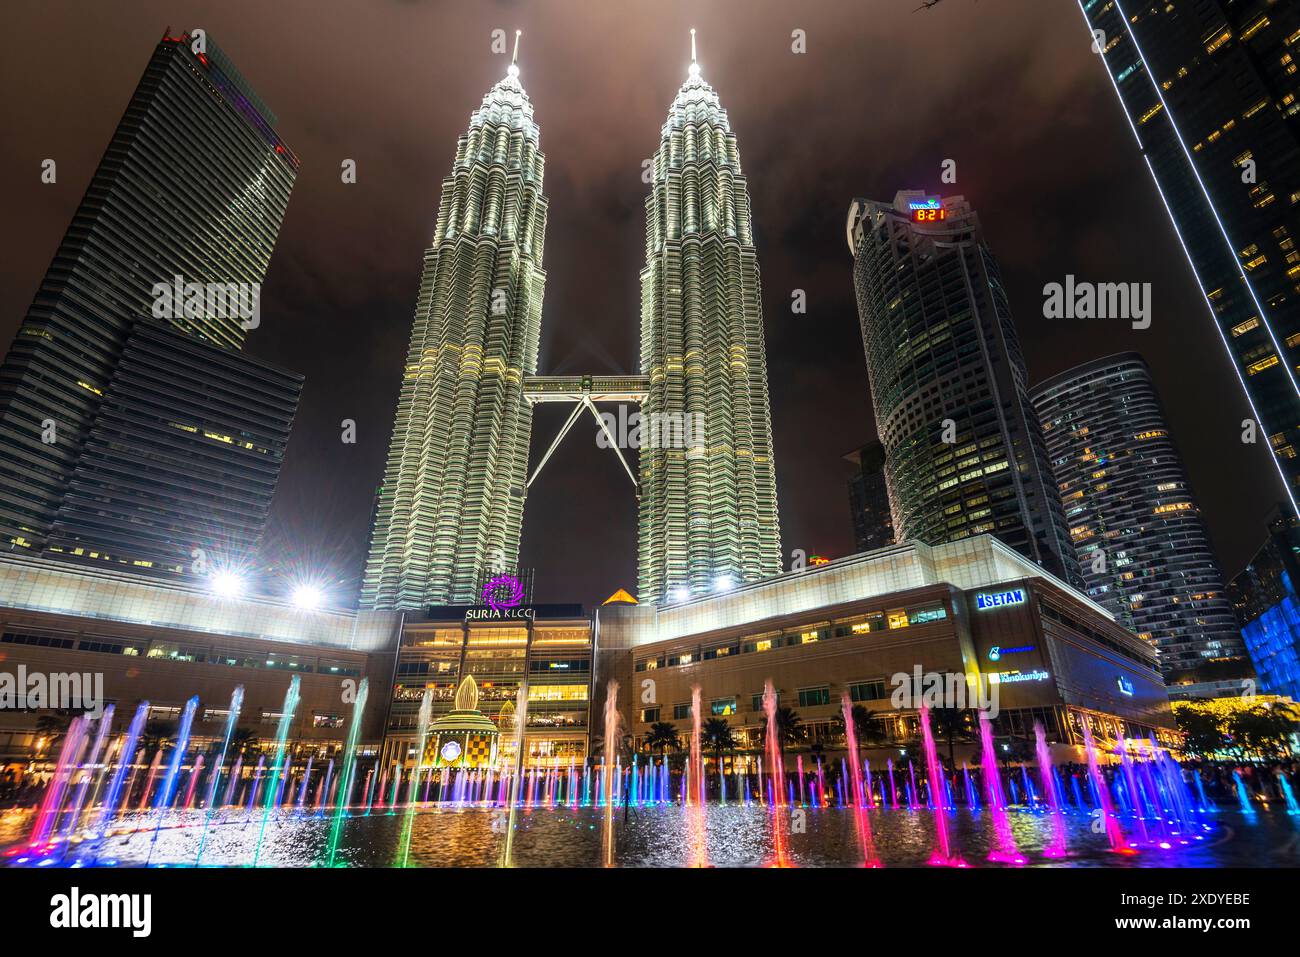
column 708, row 511
column 964, row 452
column 1141, row 544
column 452, row 499
column 1211, row 90
column 194, row 183
column 1268, row 607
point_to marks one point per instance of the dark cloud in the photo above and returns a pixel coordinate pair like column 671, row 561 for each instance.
column 1009, row 89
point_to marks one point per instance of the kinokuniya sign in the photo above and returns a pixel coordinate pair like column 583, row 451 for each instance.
column 522, row 613
column 997, row 599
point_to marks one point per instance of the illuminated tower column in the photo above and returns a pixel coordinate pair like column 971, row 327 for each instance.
column 453, row 493
column 1210, row 93
column 708, row 513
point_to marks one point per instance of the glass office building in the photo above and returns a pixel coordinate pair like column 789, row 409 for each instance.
column 964, row 452
column 181, row 459
column 873, row 525
column 1211, row 91
column 191, row 189
column 1268, row 608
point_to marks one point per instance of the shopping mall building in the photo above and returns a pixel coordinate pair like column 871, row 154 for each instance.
column 131, row 639
column 973, row 609
column 868, row 626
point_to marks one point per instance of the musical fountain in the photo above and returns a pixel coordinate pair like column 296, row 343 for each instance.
column 109, row 803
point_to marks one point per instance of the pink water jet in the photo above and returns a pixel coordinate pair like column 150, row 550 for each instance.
column 866, row 841
column 1004, row 849
column 780, row 849
column 943, row 850
column 1054, row 799
column 1118, row 844
column 698, row 840
column 611, row 745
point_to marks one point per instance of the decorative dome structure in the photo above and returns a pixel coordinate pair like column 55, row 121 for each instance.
column 464, row 737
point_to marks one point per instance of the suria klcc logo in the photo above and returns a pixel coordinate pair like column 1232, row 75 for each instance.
column 503, row 591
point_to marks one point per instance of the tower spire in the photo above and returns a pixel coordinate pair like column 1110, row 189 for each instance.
column 514, row 59
column 695, row 66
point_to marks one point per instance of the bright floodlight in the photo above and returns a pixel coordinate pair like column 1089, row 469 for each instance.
column 679, row 593
column 307, row 597
column 723, row 583
column 227, row 584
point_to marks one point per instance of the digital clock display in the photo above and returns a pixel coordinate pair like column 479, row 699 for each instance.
column 927, row 210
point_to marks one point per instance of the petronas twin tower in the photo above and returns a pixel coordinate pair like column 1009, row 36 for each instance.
column 451, row 506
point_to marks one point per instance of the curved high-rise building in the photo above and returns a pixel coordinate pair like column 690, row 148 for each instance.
column 452, row 499
column 964, row 452
column 708, row 512
column 1142, row 547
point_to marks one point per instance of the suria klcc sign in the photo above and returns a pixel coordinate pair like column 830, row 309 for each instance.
column 504, row 597
column 526, row 613
column 999, row 599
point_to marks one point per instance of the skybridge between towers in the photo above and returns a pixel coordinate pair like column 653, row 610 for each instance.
column 584, row 391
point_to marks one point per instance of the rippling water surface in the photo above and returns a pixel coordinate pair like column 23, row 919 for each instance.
column 733, row 836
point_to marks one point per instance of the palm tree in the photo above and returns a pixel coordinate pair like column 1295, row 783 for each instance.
column 156, row 735
column 662, row 735
column 789, row 729
column 716, row 734
column 243, row 741
column 869, row 732
column 51, row 727
column 950, row 725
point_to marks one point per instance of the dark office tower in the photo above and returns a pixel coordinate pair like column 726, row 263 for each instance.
column 193, row 184
column 1142, row 547
column 183, row 454
column 873, row 525
column 1265, row 598
column 1211, row 92
column 964, row 452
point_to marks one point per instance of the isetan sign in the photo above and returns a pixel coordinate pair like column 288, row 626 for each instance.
column 997, row 599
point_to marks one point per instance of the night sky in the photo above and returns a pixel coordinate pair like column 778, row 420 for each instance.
column 1008, row 88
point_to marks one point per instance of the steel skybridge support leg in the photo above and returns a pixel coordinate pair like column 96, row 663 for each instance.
column 586, row 400
column 568, row 424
